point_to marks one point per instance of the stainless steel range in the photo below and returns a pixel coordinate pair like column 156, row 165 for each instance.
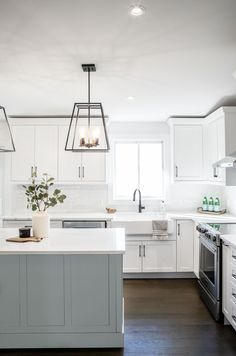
column 210, row 264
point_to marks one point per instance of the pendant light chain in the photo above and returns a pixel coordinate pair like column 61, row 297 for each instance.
column 89, row 106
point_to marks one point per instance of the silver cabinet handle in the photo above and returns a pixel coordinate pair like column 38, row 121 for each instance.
column 79, row 172
column 176, row 171
column 215, row 174
column 178, row 229
column 83, row 172
column 36, row 171
column 139, row 251
column 32, row 172
column 144, row 251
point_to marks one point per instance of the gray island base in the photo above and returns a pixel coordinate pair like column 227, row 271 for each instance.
column 62, row 300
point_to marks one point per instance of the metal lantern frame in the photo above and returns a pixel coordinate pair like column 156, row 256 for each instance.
column 10, row 133
column 76, row 117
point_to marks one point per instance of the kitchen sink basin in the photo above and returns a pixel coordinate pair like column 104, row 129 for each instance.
column 139, row 223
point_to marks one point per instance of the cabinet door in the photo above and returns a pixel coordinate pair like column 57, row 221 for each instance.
column 184, row 246
column 215, row 149
column 159, row 256
column 69, row 163
column 23, row 158
column 93, row 167
column 132, row 260
column 46, row 147
column 196, row 252
column 225, row 281
column 188, row 152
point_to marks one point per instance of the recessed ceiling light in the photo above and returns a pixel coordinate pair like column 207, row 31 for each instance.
column 130, row 98
column 137, row 10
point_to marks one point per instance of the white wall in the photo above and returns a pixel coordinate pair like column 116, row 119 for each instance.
column 90, row 198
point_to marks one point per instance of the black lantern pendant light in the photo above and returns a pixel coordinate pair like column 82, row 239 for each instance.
column 87, row 130
column 6, row 140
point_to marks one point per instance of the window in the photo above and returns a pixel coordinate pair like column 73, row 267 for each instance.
column 138, row 165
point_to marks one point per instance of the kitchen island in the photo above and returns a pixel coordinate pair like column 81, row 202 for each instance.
column 62, row 292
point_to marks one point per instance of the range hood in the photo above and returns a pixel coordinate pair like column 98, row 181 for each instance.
column 226, row 162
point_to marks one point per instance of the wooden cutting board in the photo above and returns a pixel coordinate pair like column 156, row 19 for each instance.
column 24, row 239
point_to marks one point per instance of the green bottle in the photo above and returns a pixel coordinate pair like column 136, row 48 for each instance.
column 211, row 204
column 217, row 205
column 205, row 204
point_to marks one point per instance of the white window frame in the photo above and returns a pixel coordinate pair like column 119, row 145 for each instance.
column 121, row 200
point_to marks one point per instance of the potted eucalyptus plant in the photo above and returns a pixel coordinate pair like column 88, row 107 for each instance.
column 40, row 197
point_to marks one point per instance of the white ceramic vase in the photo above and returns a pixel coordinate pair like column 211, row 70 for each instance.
column 41, row 224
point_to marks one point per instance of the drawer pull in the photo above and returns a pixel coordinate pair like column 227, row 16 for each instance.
column 139, row 251
column 144, row 251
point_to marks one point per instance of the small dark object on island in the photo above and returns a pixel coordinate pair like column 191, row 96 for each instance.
column 24, row 232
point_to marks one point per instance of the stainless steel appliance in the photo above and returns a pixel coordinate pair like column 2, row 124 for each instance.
column 210, row 265
column 84, row 224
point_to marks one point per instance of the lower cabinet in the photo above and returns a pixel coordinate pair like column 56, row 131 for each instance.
column 132, row 261
column 185, row 245
column 149, row 256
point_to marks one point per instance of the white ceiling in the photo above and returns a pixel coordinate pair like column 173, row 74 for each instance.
column 177, row 59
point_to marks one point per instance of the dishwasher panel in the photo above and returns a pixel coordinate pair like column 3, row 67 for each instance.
column 84, row 224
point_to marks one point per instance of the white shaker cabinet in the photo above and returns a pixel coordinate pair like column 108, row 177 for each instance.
column 215, row 149
column 88, row 167
column 149, row 256
column 185, row 245
column 22, row 160
column 159, row 256
column 46, row 152
column 69, row 163
column 187, row 136
column 36, row 152
column 132, row 261
column 93, row 167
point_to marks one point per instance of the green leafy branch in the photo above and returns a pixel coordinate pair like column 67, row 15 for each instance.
column 39, row 196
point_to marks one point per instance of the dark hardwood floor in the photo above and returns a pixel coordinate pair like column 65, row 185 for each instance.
column 162, row 317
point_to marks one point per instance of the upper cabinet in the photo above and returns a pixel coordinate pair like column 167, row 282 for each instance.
column 41, row 149
column 215, row 148
column 187, row 149
column 22, row 163
column 85, row 167
column 36, row 152
column 198, row 143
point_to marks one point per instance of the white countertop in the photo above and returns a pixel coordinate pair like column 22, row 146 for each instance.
column 133, row 216
column 67, row 241
column 64, row 216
